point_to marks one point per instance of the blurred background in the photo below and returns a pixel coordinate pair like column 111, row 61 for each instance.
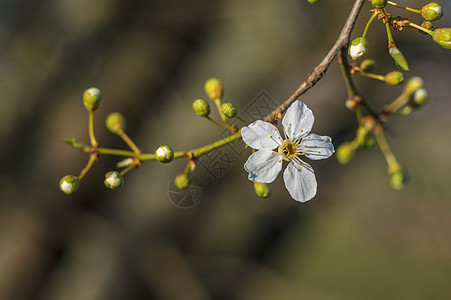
column 357, row 239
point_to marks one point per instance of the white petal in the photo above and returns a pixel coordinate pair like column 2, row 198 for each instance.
column 263, row 166
column 261, row 135
column 298, row 120
column 300, row 182
column 317, row 147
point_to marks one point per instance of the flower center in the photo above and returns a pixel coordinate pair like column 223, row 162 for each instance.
column 289, row 149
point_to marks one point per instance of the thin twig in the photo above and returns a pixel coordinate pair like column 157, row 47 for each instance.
column 319, row 71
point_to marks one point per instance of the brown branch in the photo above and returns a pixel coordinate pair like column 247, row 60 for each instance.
column 319, row 71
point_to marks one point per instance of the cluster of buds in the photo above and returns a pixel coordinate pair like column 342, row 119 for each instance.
column 115, row 123
column 370, row 130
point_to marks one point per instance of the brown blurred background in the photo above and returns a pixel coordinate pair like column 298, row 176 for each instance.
column 357, row 239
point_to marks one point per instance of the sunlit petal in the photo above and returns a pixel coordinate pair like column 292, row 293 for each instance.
column 263, row 166
column 261, row 135
column 317, row 147
column 298, row 120
column 300, row 182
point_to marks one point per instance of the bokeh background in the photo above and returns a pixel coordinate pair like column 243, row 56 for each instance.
column 357, row 239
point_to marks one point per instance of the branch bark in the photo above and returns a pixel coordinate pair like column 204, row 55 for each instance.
column 320, row 70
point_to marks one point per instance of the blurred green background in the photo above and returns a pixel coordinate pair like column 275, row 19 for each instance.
column 357, row 239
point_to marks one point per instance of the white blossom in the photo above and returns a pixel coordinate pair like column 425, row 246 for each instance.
column 266, row 163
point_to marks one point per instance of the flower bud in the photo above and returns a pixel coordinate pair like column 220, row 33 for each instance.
column 379, row 3
column 394, row 78
column 418, row 98
column 413, row 84
column 368, row 65
column 113, row 180
column 201, row 107
column 407, row 110
column 345, row 152
column 427, row 25
column 442, row 36
column 364, row 138
column 398, row 179
column 262, row 189
column 214, row 88
column 115, row 123
column 229, row 110
column 431, row 11
column 69, row 184
column 399, row 59
column 358, row 48
column 181, row 181
column 164, row 154
column 313, row 1
column 91, row 98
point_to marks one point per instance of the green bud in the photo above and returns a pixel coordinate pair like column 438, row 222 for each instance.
column 442, row 36
column 229, row 110
column 262, row 189
column 427, row 25
column 115, row 123
column 418, row 98
column 431, row 11
column 379, row 3
column 368, row 65
column 358, row 48
column 181, row 181
column 345, row 152
column 113, row 180
column 398, row 58
column 394, row 78
column 407, row 110
column 413, row 84
column 398, row 179
column 313, row 1
column 91, row 98
column 364, row 138
column 164, row 154
column 69, row 184
column 214, row 88
column 201, row 107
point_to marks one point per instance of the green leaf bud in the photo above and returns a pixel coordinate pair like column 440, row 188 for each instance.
column 427, row 25
column 313, row 1
column 164, row 154
column 181, row 181
column 115, row 123
column 69, row 184
column 345, row 152
column 398, row 179
column 442, row 36
column 262, row 189
column 358, row 48
column 368, row 65
column 418, row 98
column 431, row 11
column 229, row 110
column 91, row 98
column 399, row 59
column 413, row 84
column 113, row 180
column 201, row 107
column 214, row 88
column 379, row 3
column 394, row 78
